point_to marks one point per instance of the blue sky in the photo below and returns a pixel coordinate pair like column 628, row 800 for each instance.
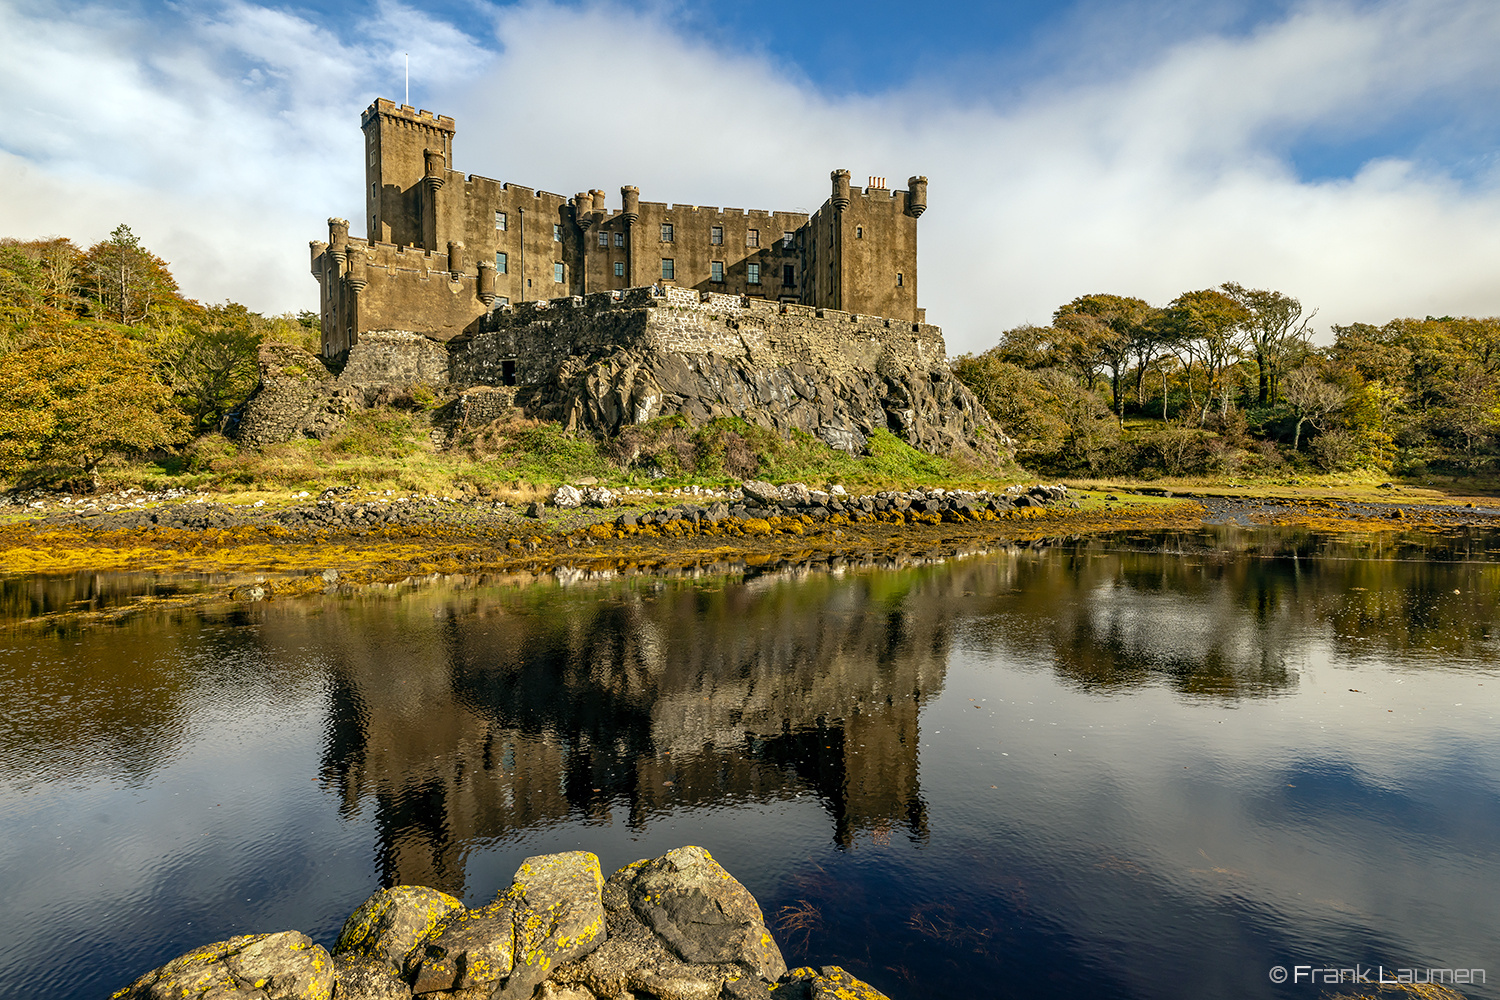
column 1343, row 152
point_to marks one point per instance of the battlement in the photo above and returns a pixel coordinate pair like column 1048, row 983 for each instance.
column 406, row 112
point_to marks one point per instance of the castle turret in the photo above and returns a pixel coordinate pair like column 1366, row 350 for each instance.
column 840, row 180
column 455, row 258
column 357, row 277
column 630, row 195
column 434, row 167
column 583, row 207
column 486, row 283
column 916, row 196
column 599, row 206
column 338, row 239
column 316, row 249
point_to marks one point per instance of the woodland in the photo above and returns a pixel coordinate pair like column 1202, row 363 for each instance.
column 107, row 368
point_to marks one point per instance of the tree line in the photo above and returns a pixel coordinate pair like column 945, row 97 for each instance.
column 102, row 354
column 1227, row 380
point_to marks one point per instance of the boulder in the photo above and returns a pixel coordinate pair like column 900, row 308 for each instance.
column 475, row 947
column 389, row 926
column 795, row 493
column 761, row 492
column 558, row 916
column 599, row 496
column 680, row 928
column 282, row 966
column 828, row 983
column 567, row 497
column 356, row 979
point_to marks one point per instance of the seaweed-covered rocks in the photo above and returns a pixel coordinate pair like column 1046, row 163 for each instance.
column 677, row 927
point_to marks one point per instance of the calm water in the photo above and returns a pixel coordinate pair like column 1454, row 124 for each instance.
column 1080, row 770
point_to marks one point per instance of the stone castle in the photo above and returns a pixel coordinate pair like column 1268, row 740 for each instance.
column 508, row 299
column 444, row 249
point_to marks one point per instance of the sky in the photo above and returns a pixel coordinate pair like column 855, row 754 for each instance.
column 1344, row 153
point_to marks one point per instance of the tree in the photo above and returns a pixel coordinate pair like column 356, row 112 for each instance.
column 130, row 284
column 1109, row 329
column 1311, row 399
column 1275, row 327
column 1206, row 326
column 72, row 396
column 210, row 361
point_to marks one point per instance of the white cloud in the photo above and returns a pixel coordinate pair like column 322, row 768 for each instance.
column 226, row 140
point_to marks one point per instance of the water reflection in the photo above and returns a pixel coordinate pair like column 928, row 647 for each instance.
column 509, row 715
column 1015, row 755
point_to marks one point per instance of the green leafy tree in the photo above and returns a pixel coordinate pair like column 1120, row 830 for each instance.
column 1277, row 329
column 1207, row 327
column 1110, row 330
column 130, row 284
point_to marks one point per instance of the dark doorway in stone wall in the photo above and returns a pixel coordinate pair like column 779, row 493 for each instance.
column 508, row 372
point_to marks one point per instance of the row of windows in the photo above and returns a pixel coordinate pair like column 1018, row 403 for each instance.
column 716, row 236
column 669, row 270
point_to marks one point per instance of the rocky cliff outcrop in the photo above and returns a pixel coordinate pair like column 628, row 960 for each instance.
column 600, row 363
column 677, row 927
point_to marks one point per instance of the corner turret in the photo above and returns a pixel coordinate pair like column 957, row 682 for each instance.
column 840, row 197
column 916, row 196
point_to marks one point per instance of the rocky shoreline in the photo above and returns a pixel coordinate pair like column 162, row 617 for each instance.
column 677, row 927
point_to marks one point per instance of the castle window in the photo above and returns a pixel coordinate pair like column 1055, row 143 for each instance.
column 668, row 269
column 603, row 238
column 504, row 300
column 716, row 235
column 788, row 275
column 752, row 237
column 502, row 263
column 859, row 232
column 500, row 221
column 786, row 240
column 619, row 239
column 619, row 269
column 716, row 271
column 752, row 274
column 900, row 279
column 556, row 233
column 557, row 272
column 666, row 232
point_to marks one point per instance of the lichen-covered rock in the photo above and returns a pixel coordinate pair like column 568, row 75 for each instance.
column 389, row 926
column 794, row 493
column 703, row 913
column 282, row 966
column 828, row 983
column 558, row 914
column 711, row 933
column 476, row 946
column 357, row 979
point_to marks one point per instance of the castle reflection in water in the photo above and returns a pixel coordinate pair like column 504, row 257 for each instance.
column 477, row 718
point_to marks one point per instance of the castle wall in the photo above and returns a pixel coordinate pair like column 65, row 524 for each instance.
column 511, row 244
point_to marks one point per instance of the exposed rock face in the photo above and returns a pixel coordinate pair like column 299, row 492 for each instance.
column 599, row 364
column 678, row 927
column 282, row 966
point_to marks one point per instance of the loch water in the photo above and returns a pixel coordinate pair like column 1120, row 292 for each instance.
column 1144, row 766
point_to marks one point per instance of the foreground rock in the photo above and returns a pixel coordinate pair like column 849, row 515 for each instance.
column 283, row 966
column 678, row 927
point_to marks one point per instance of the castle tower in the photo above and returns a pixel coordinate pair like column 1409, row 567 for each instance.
column 407, row 156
